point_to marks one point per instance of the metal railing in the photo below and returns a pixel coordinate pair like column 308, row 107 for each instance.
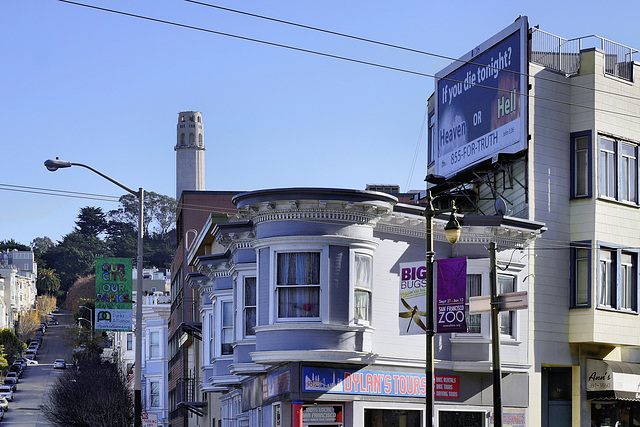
column 563, row 55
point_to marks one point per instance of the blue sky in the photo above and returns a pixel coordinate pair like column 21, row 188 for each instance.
column 105, row 89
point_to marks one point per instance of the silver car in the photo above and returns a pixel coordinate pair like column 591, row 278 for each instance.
column 6, row 392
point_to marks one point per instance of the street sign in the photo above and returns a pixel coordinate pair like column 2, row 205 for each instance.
column 149, row 419
column 507, row 302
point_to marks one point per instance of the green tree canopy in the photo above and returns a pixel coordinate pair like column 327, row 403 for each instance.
column 91, row 221
column 48, row 282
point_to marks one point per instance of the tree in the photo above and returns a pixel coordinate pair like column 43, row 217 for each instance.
column 42, row 244
column 91, row 221
column 12, row 345
column 75, row 256
column 45, row 304
column 158, row 209
column 28, row 324
column 9, row 245
column 48, row 282
column 84, row 289
column 75, row 400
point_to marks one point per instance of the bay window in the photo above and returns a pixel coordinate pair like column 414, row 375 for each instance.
column 154, row 344
column 506, row 284
column 618, row 169
column 618, row 279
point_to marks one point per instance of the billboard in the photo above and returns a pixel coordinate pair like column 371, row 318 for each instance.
column 481, row 102
column 114, row 304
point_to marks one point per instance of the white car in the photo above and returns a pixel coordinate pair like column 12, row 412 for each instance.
column 31, row 361
column 59, row 364
column 13, row 375
column 4, row 404
column 6, row 392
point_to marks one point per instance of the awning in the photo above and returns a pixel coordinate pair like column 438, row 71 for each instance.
column 610, row 380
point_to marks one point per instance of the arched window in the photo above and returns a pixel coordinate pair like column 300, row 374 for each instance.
column 199, row 119
column 192, row 139
column 182, row 139
column 200, row 139
column 182, row 118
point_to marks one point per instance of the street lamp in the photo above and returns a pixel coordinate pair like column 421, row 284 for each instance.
column 90, row 318
column 90, row 323
column 55, row 164
column 452, row 232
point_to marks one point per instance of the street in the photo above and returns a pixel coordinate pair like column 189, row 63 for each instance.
column 37, row 379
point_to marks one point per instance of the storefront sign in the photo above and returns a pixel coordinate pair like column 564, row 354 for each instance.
column 276, row 384
column 610, row 379
column 342, row 381
column 452, row 295
column 511, row 419
column 322, row 414
column 114, row 303
column 447, row 387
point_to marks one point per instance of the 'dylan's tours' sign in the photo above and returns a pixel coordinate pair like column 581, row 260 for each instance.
column 113, row 294
column 377, row 383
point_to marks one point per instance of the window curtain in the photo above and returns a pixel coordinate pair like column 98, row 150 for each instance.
column 296, row 270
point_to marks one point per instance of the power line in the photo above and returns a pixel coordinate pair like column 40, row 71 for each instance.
column 404, row 48
column 373, row 64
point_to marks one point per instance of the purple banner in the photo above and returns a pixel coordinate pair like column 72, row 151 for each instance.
column 452, row 295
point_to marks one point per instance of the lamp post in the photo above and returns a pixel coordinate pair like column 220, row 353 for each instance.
column 55, row 164
column 452, row 232
column 90, row 323
column 90, row 318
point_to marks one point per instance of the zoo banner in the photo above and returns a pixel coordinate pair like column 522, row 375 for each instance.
column 114, row 285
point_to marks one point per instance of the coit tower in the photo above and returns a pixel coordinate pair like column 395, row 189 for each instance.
column 189, row 153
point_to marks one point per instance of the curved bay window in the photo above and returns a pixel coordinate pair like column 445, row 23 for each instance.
column 298, row 284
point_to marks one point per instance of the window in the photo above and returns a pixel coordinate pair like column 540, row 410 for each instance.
column 581, row 277
column 212, row 337
column 227, row 328
column 628, row 282
column 607, row 165
column 154, row 394
column 362, row 288
column 581, row 164
column 154, row 344
column 474, row 289
column 607, row 278
column 506, row 284
column 298, row 284
column 129, row 341
column 249, row 306
column 618, row 279
column 628, row 173
column 618, row 169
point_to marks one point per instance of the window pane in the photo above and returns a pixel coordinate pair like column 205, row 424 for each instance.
column 249, row 306
column 361, row 309
column 607, row 173
column 506, row 284
column 628, row 285
column 299, row 301
column 474, row 289
column 299, row 268
column 582, row 277
column 363, row 271
column 606, row 278
column 155, row 394
column 227, row 328
column 250, row 291
column 628, row 170
column 581, row 159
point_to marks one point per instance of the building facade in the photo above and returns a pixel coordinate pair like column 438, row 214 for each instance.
column 563, row 125
column 301, row 315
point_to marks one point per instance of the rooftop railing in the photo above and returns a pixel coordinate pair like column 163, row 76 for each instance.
column 563, row 55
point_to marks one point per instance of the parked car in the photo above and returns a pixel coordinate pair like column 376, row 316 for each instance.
column 31, row 362
column 11, row 382
column 52, row 322
column 13, row 375
column 6, row 392
column 16, row 368
column 59, row 364
column 30, row 354
column 4, row 404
